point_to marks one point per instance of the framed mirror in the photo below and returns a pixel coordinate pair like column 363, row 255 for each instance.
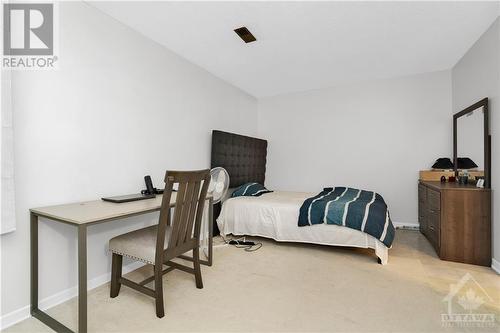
column 472, row 140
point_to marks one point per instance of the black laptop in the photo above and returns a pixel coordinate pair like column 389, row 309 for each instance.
column 129, row 197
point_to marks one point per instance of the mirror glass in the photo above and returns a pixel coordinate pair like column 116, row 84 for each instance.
column 470, row 137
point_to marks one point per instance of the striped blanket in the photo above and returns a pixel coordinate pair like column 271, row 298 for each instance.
column 357, row 209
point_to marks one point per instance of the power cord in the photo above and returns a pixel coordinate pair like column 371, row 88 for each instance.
column 242, row 243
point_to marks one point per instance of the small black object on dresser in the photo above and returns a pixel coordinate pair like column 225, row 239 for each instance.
column 443, row 163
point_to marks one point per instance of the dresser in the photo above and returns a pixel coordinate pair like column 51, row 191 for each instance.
column 456, row 219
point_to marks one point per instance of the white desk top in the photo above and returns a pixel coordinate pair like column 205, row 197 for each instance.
column 99, row 211
column 91, row 212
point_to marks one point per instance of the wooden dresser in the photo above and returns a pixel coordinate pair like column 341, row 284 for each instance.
column 456, row 219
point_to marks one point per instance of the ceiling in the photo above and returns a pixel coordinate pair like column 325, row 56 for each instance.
column 310, row 45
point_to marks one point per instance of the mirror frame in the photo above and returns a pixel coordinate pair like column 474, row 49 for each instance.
column 487, row 138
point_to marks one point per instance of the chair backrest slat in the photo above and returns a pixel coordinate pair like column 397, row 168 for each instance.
column 186, row 208
column 188, row 233
column 188, row 211
column 179, row 211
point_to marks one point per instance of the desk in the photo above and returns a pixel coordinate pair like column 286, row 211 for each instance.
column 81, row 215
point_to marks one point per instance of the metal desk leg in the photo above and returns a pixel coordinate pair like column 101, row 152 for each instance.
column 34, row 310
column 34, row 263
column 82, row 279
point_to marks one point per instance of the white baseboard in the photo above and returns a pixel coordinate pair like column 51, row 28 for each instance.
column 406, row 225
column 23, row 313
column 495, row 265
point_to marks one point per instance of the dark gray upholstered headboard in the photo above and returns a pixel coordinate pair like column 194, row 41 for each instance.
column 243, row 157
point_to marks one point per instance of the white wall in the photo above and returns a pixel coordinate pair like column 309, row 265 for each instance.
column 119, row 107
column 474, row 77
column 375, row 136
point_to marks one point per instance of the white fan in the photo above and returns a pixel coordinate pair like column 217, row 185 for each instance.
column 219, row 183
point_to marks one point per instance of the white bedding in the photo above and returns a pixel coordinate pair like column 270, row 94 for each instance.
column 275, row 215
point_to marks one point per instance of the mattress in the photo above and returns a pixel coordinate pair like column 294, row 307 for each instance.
column 275, row 215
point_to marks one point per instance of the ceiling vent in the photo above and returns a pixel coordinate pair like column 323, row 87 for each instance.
column 245, row 34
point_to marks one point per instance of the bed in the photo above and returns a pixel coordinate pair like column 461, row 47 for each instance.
column 273, row 215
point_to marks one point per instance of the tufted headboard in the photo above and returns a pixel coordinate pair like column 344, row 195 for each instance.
column 243, row 157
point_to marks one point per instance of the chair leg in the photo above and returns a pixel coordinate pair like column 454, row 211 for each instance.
column 197, row 268
column 160, row 311
column 116, row 274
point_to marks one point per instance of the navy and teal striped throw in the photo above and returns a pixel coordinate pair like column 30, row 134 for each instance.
column 357, row 209
column 250, row 190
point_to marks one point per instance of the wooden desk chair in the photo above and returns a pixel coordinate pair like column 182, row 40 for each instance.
column 159, row 244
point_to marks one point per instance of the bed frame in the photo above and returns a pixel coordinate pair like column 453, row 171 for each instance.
column 243, row 157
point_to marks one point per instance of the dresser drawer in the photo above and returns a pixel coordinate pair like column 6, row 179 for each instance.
column 422, row 217
column 433, row 200
column 434, row 229
column 422, row 193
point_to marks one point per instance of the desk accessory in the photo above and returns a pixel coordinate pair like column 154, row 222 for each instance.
column 149, row 185
column 149, row 193
column 150, row 189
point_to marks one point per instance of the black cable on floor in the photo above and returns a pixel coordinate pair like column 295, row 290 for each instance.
column 241, row 243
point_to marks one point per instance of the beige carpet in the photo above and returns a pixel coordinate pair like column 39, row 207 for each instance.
column 294, row 288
